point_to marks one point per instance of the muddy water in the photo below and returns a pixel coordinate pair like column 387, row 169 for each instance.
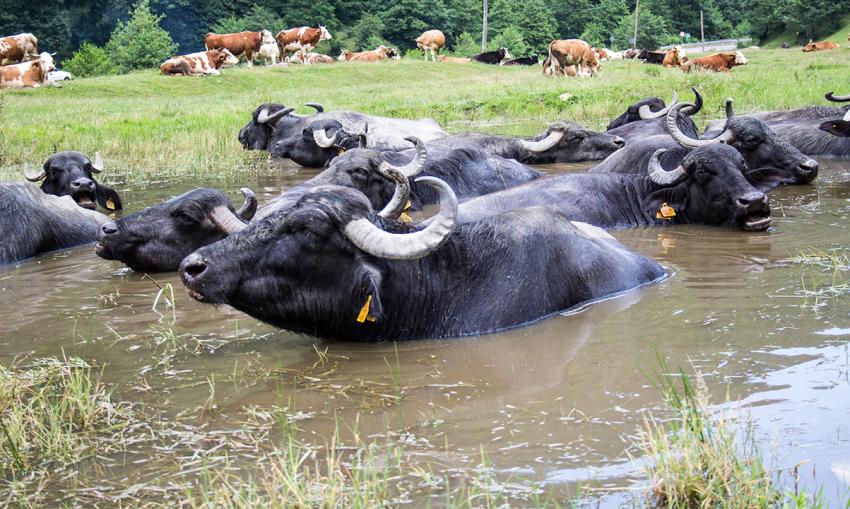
column 558, row 402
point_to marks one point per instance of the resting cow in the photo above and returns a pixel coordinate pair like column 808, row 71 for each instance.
column 203, row 63
column 764, row 152
column 531, row 60
column 674, row 57
column 72, row 174
column 375, row 55
column 28, row 74
column 34, row 222
column 722, row 62
column 331, row 267
column 819, row 46
column 241, row 43
column 455, row 60
column 497, row 57
column 301, row 39
column 651, row 57
column 16, row 49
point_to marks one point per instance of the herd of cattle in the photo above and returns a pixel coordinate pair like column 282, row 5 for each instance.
column 338, row 256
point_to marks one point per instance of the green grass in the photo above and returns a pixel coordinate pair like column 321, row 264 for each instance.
column 149, row 126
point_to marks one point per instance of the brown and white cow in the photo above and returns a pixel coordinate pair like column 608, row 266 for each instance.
column 457, row 60
column 203, row 63
column 572, row 53
column 717, row 62
column 16, row 49
column 28, row 74
column 674, row 57
column 301, row 39
column 313, row 58
column 607, row 54
column 431, row 42
column 379, row 53
column 820, row 46
column 241, row 43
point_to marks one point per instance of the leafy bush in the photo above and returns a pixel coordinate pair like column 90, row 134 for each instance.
column 89, row 60
column 466, row 46
column 512, row 39
column 140, row 43
column 258, row 18
column 653, row 31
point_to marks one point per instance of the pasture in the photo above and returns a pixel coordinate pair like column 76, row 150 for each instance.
column 120, row 390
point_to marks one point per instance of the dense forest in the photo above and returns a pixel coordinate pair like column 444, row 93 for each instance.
column 525, row 26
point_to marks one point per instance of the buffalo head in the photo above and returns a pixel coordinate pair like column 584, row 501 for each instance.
column 257, row 134
column 71, row 174
column 569, row 142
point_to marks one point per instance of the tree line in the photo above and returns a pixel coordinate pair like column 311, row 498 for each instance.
column 524, row 26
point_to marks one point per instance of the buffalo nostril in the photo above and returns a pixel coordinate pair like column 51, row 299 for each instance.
column 809, row 165
column 193, row 266
column 108, row 228
column 743, row 202
column 620, row 142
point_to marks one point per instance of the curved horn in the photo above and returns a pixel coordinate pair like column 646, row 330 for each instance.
column 414, row 167
column 846, row 116
column 316, row 106
column 685, row 140
column 401, row 195
column 97, row 165
column 265, row 118
column 647, row 114
column 659, row 175
column 226, row 220
column 33, row 177
column 545, row 144
column 407, row 246
column 320, row 136
column 837, row 98
column 249, row 207
column 697, row 106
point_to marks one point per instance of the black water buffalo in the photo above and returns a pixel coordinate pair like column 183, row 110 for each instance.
column 72, row 174
column 34, row 222
column 764, row 152
column 563, row 142
column 492, row 57
column 331, row 267
column 158, row 237
column 707, row 187
column 647, row 117
column 532, row 60
column 813, row 130
column 318, row 143
column 257, row 134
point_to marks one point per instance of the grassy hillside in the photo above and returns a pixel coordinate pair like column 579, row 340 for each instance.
column 840, row 36
column 148, row 125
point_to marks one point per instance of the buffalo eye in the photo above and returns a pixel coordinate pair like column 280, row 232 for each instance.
column 188, row 215
column 360, row 173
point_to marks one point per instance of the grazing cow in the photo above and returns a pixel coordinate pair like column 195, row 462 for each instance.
column 722, row 62
column 379, row 53
column 706, row 187
column 71, row 174
column 28, row 74
column 532, row 60
column 819, row 46
column 563, row 142
column 315, row 58
column 573, row 53
column 431, row 42
column 32, row 222
column 242, row 43
column 301, row 39
column 456, row 60
column 331, row 267
column 203, row 63
column 158, row 237
column 767, row 154
column 651, row 57
column 674, row 57
column 497, row 57
column 16, row 49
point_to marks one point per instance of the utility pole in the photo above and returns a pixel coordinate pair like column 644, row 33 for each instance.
column 484, row 29
column 634, row 39
column 702, row 30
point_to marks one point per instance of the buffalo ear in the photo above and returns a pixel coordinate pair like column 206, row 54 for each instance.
column 768, row 179
column 108, row 198
column 368, row 279
column 837, row 127
column 675, row 197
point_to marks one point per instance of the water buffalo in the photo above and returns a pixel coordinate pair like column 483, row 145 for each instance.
column 707, row 187
column 34, row 222
column 257, row 134
column 72, row 174
column 762, row 149
column 331, row 267
column 563, row 142
column 158, row 237
column 496, row 57
column 647, row 117
column 813, row 130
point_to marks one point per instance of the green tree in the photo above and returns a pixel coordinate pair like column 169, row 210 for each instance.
column 466, row 45
column 141, row 42
column 404, row 22
column 89, row 60
column 258, row 18
column 533, row 18
column 510, row 38
column 654, row 31
column 813, row 19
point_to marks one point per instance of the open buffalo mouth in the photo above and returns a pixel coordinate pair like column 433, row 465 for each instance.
column 195, row 294
column 756, row 222
column 85, row 199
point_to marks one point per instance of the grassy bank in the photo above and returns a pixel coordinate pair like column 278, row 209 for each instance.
column 145, row 124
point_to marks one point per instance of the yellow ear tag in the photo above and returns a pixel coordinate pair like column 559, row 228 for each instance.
column 666, row 212
column 364, row 311
column 405, row 217
column 341, row 151
column 110, row 204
